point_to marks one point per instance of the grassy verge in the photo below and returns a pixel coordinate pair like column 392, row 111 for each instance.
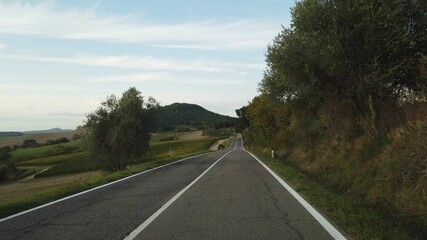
column 183, row 149
column 178, row 148
column 228, row 142
column 359, row 218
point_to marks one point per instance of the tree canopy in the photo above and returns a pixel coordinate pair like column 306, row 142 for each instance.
column 360, row 55
column 119, row 130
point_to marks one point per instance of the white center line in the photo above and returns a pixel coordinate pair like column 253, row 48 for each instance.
column 141, row 227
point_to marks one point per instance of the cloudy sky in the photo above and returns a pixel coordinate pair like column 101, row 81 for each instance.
column 60, row 59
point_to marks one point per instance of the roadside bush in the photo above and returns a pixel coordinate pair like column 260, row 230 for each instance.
column 165, row 139
column 402, row 175
column 6, row 166
column 5, row 154
column 76, row 136
column 3, row 171
column 7, row 170
column 57, row 141
column 29, row 143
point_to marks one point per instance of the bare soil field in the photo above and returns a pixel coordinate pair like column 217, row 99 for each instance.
column 39, row 137
column 11, row 191
column 192, row 135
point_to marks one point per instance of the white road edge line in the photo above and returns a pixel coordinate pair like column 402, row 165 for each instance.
column 96, row 188
column 325, row 224
column 149, row 220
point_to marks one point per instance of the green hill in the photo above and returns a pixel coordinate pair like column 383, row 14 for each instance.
column 191, row 115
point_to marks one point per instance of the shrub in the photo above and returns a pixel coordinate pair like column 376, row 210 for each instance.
column 29, row 143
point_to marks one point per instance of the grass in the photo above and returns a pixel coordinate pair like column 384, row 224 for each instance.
column 76, row 163
column 82, row 161
column 52, row 160
column 159, row 155
column 51, row 150
column 228, row 142
column 359, row 218
column 180, row 147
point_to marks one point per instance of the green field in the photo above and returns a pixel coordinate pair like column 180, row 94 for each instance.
column 81, row 162
column 51, row 150
column 52, row 160
column 72, row 158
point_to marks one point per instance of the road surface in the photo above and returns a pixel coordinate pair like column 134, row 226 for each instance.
column 233, row 197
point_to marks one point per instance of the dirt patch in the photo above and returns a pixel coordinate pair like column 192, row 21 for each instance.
column 11, row 191
column 192, row 135
column 215, row 146
column 32, row 176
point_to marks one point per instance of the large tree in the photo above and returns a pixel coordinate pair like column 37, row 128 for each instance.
column 362, row 56
column 119, row 130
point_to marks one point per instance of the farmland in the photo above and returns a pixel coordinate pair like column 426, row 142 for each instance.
column 39, row 137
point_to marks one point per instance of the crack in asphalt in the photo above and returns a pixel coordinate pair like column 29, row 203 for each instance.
column 269, row 194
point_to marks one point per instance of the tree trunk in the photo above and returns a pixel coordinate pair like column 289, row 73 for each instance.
column 366, row 113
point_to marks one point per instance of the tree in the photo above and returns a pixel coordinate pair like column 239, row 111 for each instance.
column 29, row 143
column 243, row 121
column 7, row 167
column 359, row 55
column 5, row 153
column 119, row 130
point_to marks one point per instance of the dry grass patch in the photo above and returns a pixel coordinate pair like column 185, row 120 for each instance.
column 39, row 137
column 193, row 135
column 16, row 190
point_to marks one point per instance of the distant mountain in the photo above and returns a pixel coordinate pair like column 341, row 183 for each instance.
column 191, row 115
column 52, row 130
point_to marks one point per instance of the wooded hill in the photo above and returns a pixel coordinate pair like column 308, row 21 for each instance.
column 178, row 114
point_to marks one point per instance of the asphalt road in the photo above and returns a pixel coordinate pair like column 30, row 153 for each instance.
column 236, row 199
column 111, row 212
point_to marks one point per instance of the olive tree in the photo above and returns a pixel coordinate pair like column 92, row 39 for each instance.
column 363, row 56
column 119, row 130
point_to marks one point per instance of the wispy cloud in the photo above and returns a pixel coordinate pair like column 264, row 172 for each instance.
column 142, row 77
column 170, row 78
column 140, row 62
column 66, row 114
column 46, row 20
column 10, row 89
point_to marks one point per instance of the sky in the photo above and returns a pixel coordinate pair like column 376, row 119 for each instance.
column 60, row 59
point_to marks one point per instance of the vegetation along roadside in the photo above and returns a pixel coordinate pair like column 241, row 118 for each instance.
column 358, row 217
column 343, row 102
